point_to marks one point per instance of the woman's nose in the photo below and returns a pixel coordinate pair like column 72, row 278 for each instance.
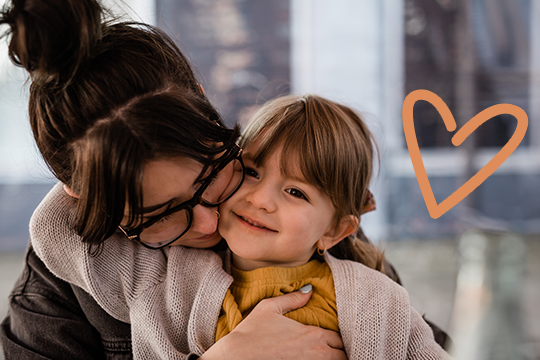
column 205, row 219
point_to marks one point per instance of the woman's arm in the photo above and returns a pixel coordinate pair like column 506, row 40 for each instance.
column 267, row 334
column 109, row 276
column 62, row 313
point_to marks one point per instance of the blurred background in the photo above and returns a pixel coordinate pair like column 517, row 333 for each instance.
column 475, row 271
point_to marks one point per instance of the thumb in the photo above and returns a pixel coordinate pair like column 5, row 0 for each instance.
column 288, row 302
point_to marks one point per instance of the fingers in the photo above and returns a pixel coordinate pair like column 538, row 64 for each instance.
column 327, row 343
column 285, row 303
column 333, row 339
column 337, row 355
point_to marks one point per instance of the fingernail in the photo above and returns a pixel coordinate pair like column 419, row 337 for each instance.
column 306, row 288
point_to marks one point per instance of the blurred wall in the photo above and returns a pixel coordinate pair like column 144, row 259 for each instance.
column 368, row 54
column 24, row 180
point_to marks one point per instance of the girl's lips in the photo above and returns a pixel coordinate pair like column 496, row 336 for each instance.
column 253, row 224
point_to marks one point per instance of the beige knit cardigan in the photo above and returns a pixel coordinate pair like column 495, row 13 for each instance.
column 173, row 298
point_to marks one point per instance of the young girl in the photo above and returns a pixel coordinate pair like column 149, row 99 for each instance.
column 308, row 164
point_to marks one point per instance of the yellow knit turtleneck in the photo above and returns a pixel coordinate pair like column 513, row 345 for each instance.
column 250, row 287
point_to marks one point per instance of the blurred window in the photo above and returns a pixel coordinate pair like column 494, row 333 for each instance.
column 473, row 54
column 241, row 49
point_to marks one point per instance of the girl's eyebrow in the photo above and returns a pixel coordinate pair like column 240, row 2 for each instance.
column 297, row 176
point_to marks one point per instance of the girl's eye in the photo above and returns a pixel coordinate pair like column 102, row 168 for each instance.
column 251, row 172
column 297, row 193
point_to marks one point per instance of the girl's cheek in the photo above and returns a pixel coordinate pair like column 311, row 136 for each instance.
column 223, row 208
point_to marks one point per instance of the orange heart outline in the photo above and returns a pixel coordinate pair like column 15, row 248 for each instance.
column 437, row 210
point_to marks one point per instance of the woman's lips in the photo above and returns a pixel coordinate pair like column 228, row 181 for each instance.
column 207, row 237
column 253, row 224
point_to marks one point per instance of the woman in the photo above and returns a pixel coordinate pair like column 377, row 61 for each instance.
column 109, row 105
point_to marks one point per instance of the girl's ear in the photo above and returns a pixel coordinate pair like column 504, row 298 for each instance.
column 347, row 226
column 70, row 192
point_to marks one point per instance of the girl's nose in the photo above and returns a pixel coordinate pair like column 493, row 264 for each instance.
column 262, row 197
column 205, row 220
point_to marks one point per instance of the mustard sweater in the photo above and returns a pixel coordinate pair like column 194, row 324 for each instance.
column 250, row 287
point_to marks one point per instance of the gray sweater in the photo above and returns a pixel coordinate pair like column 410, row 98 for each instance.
column 173, row 298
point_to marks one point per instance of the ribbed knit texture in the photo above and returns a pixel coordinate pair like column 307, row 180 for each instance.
column 173, row 298
column 250, row 287
column 172, row 304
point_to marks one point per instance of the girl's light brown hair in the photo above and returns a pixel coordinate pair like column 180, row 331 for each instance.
column 334, row 151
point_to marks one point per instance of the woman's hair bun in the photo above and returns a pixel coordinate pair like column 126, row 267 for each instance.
column 52, row 38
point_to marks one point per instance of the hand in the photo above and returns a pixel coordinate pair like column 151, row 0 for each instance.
column 266, row 334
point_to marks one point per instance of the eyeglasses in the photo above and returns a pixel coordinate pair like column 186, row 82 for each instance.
column 164, row 229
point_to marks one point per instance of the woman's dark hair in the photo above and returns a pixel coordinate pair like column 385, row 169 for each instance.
column 106, row 97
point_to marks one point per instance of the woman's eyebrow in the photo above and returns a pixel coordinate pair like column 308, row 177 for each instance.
column 153, row 208
column 150, row 209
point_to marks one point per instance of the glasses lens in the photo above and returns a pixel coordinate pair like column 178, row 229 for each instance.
column 226, row 182
column 166, row 229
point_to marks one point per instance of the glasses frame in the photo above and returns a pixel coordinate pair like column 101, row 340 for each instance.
column 233, row 153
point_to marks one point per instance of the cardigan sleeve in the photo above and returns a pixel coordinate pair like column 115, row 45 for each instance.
column 422, row 343
column 122, row 270
column 376, row 319
column 178, row 316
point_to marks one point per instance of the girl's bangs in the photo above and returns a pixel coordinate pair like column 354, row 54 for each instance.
column 292, row 132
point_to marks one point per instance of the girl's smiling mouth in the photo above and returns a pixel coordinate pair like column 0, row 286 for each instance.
column 253, row 223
